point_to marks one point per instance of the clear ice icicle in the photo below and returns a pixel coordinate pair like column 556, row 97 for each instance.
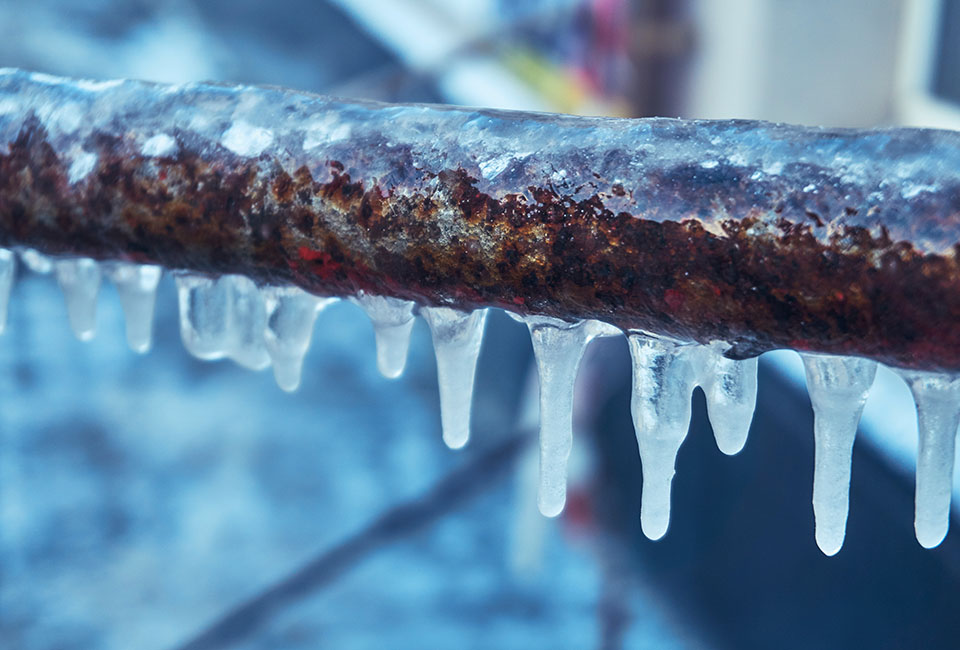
column 246, row 322
column 36, row 261
column 558, row 347
column 838, row 388
column 8, row 268
column 664, row 376
column 137, row 287
column 392, row 320
column 291, row 313
column 730, row 387
column 204, row 315
column 79, row 280
column 938, row 414
column 456, row 341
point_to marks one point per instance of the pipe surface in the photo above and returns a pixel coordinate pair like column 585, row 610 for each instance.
column 760, row 235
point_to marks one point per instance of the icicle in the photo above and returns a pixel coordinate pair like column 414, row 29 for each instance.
column 731, row 390
column 137, row 287
column 247, row 321
column 838, row 388
column 392, row 323
column 36, row 261
column 8, row 267
column 291, row 313
column 938, row 414
column 456, row 341
column 79, row 280
column 664, row 376
column 558, row 347
column 204, row 315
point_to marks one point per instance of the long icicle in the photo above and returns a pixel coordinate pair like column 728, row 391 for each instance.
column 558, row 348
column 838, row 388
column 938, row 414
column 664, row 376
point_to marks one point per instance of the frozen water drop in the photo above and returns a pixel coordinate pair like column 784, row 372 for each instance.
column 838, row 388
column 664, row 376
column 291, row 313
column 730, row 387
column 204, row 315
column 8, row 268
column 247, row 323
column 392, row 320
column 36, row 261
column 456, row 340
column 79, row 280
column 938, row 414
column 137, row 287
column 558, row 348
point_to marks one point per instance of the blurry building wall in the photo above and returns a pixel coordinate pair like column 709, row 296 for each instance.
column 800, row 61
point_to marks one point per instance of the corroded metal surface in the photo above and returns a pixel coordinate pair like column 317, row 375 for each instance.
column 760, row 235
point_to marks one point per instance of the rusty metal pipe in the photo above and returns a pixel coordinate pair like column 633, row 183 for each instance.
column 760, row 235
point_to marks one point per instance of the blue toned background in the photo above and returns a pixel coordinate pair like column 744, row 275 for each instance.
column 161, row 502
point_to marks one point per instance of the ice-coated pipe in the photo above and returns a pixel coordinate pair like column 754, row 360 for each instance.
column 759, row 235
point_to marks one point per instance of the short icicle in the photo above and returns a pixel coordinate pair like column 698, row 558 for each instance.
column 664, row 376
column 291, row 313
column 204, row 315
column 838, row 388
column 79, row 280
column 457, row 337
column 36, row 261
column 392, row 320
column 558, row 347
column 137, row 287
column 730, row 387
column 247, row 318
column 8, row 268
column 938, row 414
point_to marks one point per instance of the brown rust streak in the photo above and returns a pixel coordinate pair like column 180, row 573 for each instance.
column 436, row 238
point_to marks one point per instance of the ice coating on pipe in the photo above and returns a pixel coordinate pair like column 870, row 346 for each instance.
column 79, row 279
column 291, row 314
column 838, row 388
column 392, row 323
column 760, row 235
column 938, row 413
column 137, row 287
column 457, row 337
column 664, row 376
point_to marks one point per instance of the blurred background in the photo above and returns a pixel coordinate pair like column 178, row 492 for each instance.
column 163, row 502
